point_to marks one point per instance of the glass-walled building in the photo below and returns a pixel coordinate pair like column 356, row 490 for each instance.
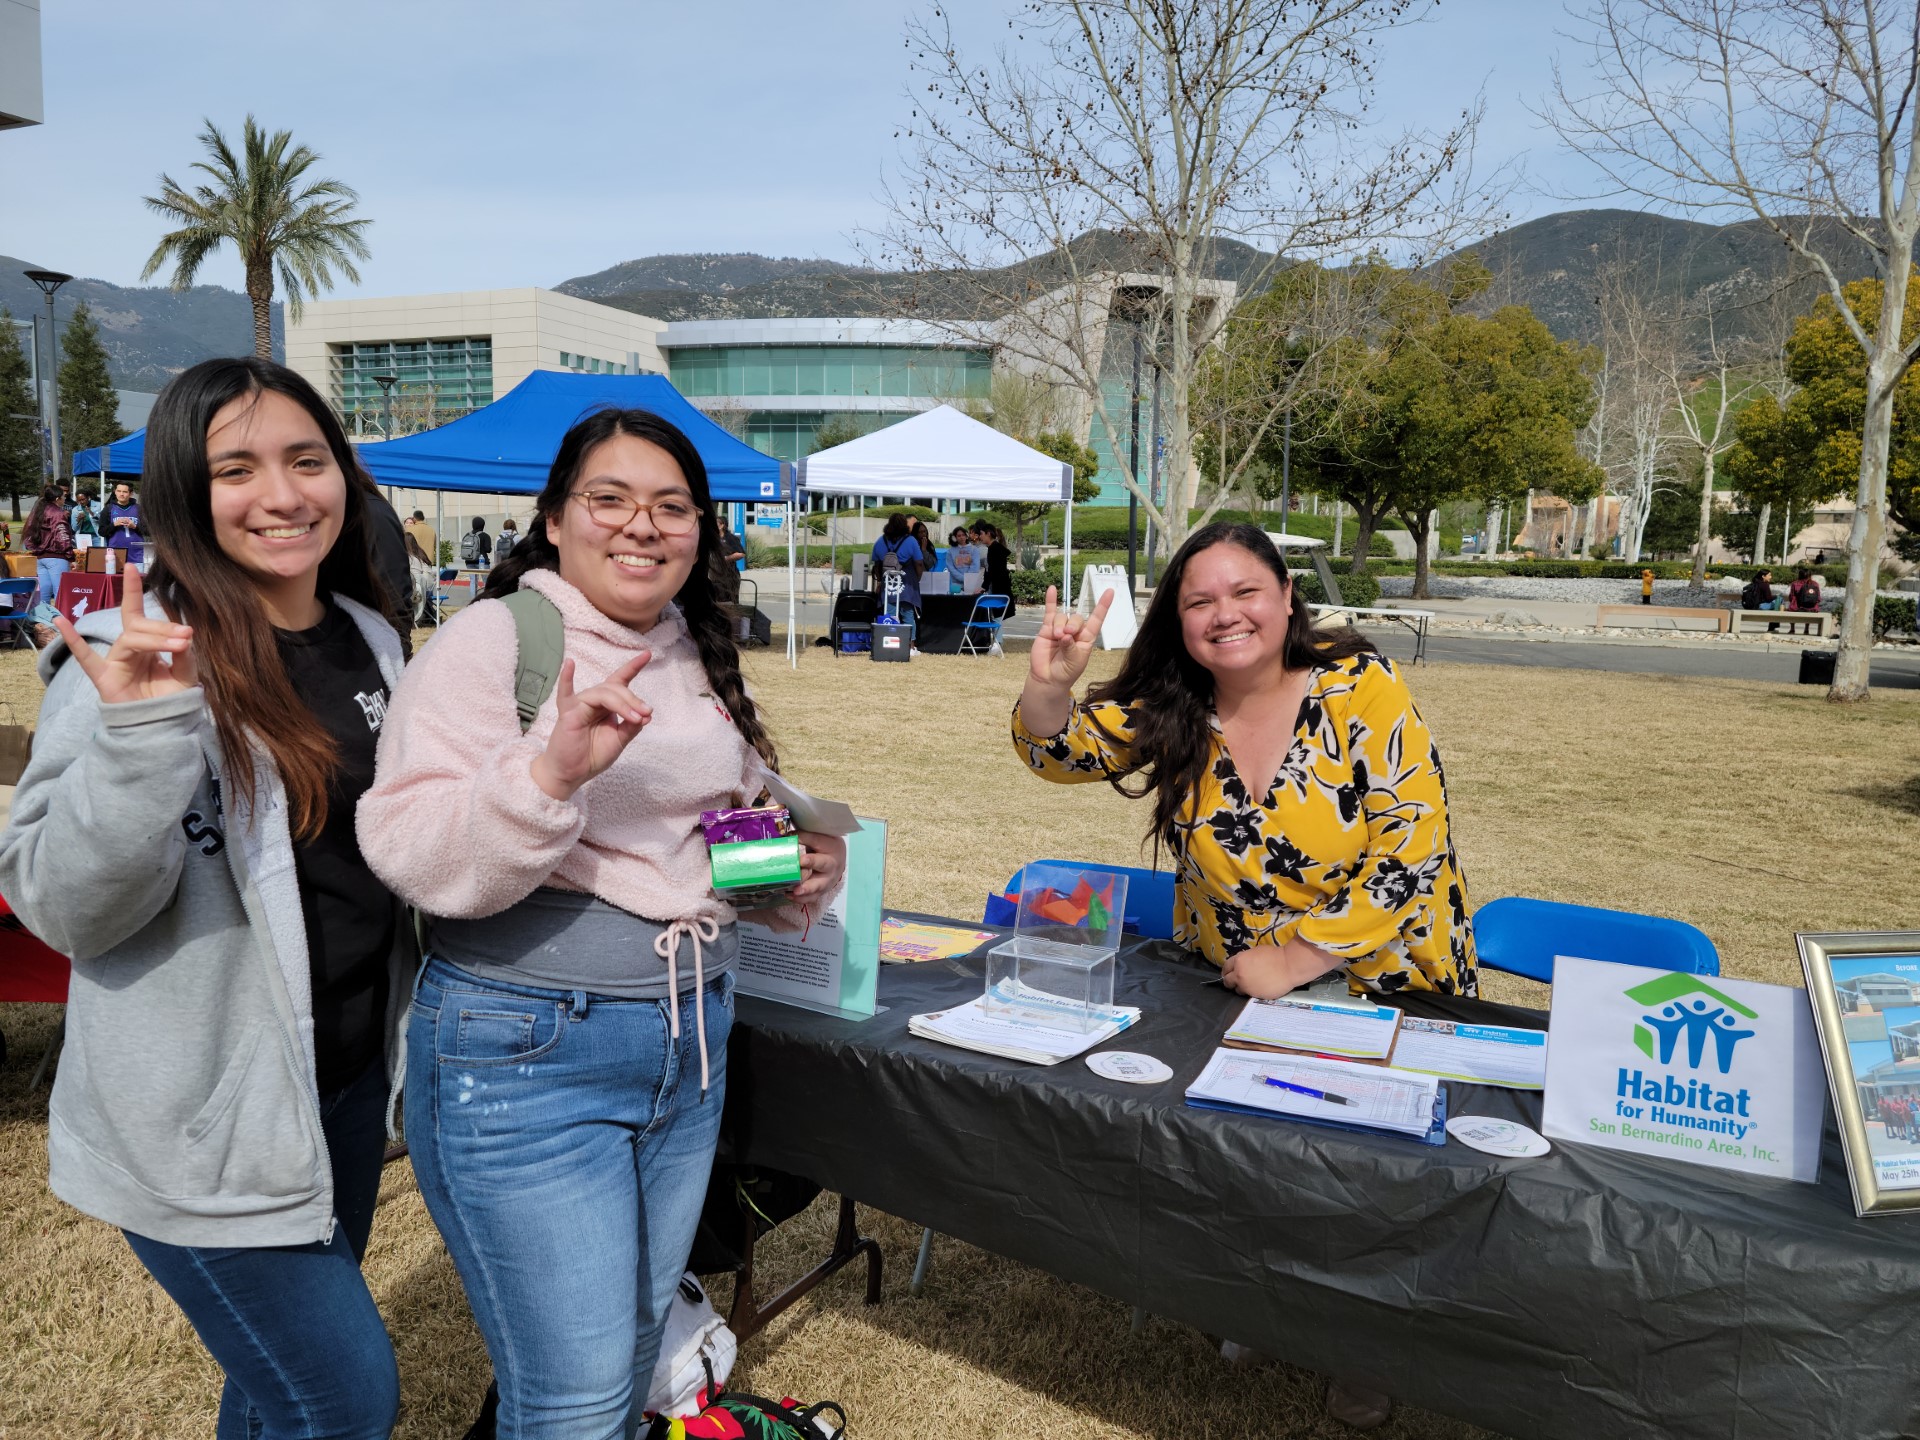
column 442, row 379
column 778, row 382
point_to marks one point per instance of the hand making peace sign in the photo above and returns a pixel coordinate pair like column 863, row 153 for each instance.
column 150, row 658
column 591, row 729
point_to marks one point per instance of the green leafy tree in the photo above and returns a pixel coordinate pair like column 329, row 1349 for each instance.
column 20, row 464
column 262, row 203
column 1808, row 450
column 1452, row 406
column 835, row 430
column 1673, row 525
column 89, row 407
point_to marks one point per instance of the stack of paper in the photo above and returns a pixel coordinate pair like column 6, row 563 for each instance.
column 1360, row 1028
column 1023, row 1035
column 1329, row 1092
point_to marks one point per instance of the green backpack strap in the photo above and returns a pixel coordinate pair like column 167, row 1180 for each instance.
column 542, row 646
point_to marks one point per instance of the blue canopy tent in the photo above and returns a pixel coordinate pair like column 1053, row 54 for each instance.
column 507, row 447
column 122, row 457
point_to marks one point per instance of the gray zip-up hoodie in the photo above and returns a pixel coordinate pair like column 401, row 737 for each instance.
column 186, row 1108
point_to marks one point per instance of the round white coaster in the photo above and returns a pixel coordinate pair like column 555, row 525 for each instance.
column 1127, row 1065
column 1497, row 1137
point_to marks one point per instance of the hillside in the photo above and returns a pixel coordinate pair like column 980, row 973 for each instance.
column 1554, row 265
column 150, row 333
column 726, row 287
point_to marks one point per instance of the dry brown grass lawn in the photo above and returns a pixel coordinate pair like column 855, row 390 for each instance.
column 1750, row 810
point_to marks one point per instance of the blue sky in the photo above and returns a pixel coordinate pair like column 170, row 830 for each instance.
column 503, row 144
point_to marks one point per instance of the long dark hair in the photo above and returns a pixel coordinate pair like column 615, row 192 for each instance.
column 198, row 584
column 35, row 530
column 1170, row 694
column 707, row 623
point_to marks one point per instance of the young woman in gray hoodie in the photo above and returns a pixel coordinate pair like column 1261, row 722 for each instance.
column 238, row 972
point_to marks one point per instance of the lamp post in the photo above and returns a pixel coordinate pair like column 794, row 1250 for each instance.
column 386, row 384
column 50, row 281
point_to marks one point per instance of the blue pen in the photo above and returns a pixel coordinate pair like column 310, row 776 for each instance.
column 1279, row 1084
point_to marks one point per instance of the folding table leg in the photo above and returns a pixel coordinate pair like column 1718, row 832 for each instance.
column 46, row 1060
column 747, row 1318
column 921, row 1262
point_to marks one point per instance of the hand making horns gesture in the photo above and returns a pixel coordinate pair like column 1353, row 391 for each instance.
column 1065, row 642
column 591, row 729
column 149, row 658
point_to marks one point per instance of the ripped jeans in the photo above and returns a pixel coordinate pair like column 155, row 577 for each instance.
column 563, row 1146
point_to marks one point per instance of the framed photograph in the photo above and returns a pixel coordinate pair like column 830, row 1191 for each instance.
column 1865, row 990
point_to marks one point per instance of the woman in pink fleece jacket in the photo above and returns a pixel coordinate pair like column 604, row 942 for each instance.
column 567, row 1042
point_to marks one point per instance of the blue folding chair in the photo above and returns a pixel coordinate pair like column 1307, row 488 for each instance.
column 1522, row 936
column 18, row 599
column 988, row 614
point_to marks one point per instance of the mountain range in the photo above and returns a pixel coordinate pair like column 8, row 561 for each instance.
column 150, row 333
column 1552, row 264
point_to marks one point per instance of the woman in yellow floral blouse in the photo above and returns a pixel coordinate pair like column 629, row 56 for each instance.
column 1292, row 777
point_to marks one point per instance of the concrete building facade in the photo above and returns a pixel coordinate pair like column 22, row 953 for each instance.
column 451, row 354
column 22, row 94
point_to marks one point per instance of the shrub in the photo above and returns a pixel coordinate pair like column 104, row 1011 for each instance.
column 1893, row 612
column 1362, row 589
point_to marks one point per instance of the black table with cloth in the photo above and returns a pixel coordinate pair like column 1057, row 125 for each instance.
column 943, row 619
column 1582, row 1294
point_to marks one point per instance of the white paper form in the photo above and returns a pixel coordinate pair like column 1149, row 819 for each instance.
column 1365, row 1034
column 1483, row 1054
column 1376, row 1096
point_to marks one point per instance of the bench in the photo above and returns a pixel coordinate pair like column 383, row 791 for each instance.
column 1415, row 620
column 1659, row 617
column 1794, row 622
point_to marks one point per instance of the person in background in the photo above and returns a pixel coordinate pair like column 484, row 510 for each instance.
column 896, row 551
column 962, row 557
column 86, row 515
column 425, row 577
column 1646, row 587
column 565, row 1078
column 999, row 575
column 120, row 518
column 1758, row 595
column 231, row 1026
column 48, row 537
column 732, row 555
column 476, row 546
column 1804, row 593
column 423, row 536
column 508, row 538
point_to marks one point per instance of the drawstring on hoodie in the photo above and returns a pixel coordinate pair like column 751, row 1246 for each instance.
column 667, row 946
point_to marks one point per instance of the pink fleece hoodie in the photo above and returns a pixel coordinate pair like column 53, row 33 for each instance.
column 454, row 822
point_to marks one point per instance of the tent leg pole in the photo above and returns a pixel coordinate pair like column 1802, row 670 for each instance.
column 793, row 611
column 1066, row 559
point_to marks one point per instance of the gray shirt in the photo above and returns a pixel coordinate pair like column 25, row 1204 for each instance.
column 564, row 940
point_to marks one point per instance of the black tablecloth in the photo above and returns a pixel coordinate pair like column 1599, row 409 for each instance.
column 1583, row 1294
column 942, row 620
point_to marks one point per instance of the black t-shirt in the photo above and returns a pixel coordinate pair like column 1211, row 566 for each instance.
column 349, row 913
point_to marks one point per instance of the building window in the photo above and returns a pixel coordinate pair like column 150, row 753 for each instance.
column 788, row 434
column 915, row 372
column 436, row 381
column 587, row 364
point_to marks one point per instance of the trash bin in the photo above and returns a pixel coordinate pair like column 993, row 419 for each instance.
column 1816, row 667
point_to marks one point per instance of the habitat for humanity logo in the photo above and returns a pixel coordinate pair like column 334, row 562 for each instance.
column 1686, row 1005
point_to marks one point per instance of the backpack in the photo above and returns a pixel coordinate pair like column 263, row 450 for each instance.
column 470, row 547
column 542, row 646
column 890, row 556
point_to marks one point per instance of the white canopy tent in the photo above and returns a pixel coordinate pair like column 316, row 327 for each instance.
column 943, row 454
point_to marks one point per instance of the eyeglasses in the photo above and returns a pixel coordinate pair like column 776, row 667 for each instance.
column 614, row 510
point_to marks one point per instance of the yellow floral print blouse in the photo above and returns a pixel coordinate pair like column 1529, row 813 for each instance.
column 1350, row 850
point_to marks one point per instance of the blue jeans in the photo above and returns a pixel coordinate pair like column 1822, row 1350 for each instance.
column 50, row 572
column 294, row 1327
column 563, row 1148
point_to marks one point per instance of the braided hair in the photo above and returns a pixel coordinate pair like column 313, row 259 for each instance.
column 707, row 622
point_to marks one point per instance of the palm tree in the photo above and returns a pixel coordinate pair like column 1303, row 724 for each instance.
column 275, row 218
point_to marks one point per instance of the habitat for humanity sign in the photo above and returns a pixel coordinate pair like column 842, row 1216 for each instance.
column 1689, row 1067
